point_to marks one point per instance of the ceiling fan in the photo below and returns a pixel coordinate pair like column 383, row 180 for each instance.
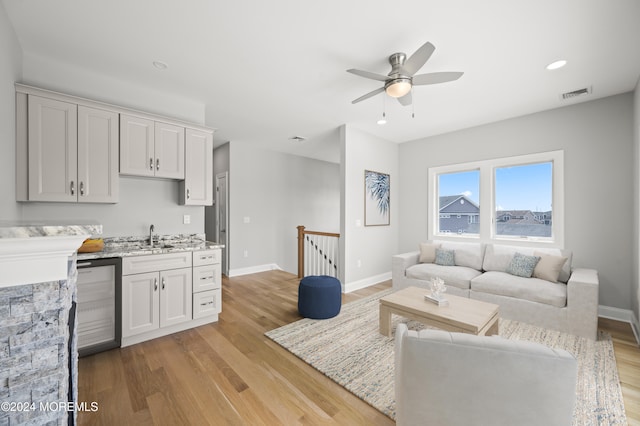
column 401, row 79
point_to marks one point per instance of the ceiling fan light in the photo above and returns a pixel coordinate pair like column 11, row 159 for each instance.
column 398, row 88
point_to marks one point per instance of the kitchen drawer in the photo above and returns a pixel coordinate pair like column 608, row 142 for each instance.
column 155, row 262
column 206, row 257
column 206, row 277
column 207, row 303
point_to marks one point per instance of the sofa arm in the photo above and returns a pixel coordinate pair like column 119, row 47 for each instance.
column 399, row 264
column 582, row 302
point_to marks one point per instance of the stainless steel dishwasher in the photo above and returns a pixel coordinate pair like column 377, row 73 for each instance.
column 99, row 305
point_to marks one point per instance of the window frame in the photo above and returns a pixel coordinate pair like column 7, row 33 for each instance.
column 487, row 199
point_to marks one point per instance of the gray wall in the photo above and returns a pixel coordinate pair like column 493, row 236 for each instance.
column 372, row 246
column 597, row 140
column 277, row 192
column 10, row 71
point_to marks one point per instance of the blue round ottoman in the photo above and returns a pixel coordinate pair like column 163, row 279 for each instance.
column 319, row 297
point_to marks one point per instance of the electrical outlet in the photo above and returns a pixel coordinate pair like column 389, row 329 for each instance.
column 186, row 219
column 247, row 219
column 246, row 253
column 359, row 263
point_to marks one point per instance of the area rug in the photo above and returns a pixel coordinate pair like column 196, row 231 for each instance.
column 349, row 350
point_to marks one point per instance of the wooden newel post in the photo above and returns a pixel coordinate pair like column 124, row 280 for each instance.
column 300, row 251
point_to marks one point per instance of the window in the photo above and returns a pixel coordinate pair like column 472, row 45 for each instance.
column 458, row 202
column 514, row 198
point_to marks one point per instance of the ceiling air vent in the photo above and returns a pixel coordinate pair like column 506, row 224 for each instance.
column 575, row 93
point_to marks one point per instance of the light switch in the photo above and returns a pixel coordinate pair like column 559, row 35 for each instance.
column 186, row 219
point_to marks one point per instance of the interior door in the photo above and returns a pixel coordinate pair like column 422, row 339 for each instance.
column 222, row 217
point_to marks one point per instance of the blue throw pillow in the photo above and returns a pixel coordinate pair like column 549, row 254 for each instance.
column 522, row 265
column 445, row 257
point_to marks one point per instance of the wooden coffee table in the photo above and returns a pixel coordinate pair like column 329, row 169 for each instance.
column 461, row 315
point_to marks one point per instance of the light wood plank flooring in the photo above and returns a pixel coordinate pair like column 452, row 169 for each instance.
column 229, row 373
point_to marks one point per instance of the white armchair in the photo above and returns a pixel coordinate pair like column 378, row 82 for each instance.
column 448, row 379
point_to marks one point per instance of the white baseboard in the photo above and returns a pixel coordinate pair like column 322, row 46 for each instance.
column 623, row 315
column 253, row 270
column 357, row 285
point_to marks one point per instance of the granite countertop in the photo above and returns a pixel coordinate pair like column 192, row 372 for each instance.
column 25, row 229
column 139, row 246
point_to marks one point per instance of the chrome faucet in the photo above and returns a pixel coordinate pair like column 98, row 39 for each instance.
column 151, row 229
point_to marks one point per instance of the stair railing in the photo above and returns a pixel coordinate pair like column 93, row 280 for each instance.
column 317, row 253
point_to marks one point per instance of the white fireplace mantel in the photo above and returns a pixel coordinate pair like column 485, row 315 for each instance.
column 33, row 253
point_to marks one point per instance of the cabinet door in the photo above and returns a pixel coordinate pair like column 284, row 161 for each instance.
column 137, row 156
column 197, row 189
column 140, row 303
column 169, row 149
column 175, row 296
column 52, row 150
column 97, row 155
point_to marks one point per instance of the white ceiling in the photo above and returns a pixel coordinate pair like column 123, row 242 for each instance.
column 269, row 70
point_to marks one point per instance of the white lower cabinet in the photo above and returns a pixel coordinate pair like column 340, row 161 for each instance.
column 207, row 283
column 167, row 293
column 154, row 297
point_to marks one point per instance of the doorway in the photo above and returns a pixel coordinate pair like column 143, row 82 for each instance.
column 222, row 217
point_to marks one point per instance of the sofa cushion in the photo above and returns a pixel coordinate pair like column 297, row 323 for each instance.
column 466, row 254
column 445, row 257
column 428, row 252
column 456, row 276
column 549, row 266
column 522, row 265
column 532, row 289
column 497, row 257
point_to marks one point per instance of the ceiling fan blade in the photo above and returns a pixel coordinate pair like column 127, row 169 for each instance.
column 367, row 74
column 418, row 59
column 405, row 100
column 368, row 95
column 435, row 78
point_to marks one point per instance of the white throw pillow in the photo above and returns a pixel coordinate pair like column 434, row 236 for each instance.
column 428, row 252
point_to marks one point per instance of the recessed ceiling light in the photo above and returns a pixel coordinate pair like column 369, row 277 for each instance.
column 382, row 121
column 557, row 64
column 160, row 65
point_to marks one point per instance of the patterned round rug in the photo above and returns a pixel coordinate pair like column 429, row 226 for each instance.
column 349, row 350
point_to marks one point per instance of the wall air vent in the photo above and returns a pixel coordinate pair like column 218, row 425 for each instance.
column 576, row 93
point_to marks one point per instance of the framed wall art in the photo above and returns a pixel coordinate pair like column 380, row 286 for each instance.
column 377, row 205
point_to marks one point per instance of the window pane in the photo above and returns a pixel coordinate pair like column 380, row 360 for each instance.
column 523, row 200
column 459, row 207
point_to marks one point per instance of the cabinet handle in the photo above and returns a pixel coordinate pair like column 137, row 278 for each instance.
column 157, row 164
column 207, row 278
column 155, row 284
column 188, row 194
column 207, row 303
column 163, row 283
column 72, row 188
column 150, row 163
column 81, row 188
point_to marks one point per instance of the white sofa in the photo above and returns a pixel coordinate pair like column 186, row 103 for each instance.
column 450, row 379
column 569, row 304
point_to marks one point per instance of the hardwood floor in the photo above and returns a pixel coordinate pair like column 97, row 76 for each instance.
column 229, row 373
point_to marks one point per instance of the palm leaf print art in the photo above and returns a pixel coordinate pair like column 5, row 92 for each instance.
column 377, row 185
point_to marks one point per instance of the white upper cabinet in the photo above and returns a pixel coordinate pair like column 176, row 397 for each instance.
column 137, row 140
column 197, row 188
column 151, row 148
column 53, row 150
column 97, row 155
column 72, row 152
column 169, row 151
